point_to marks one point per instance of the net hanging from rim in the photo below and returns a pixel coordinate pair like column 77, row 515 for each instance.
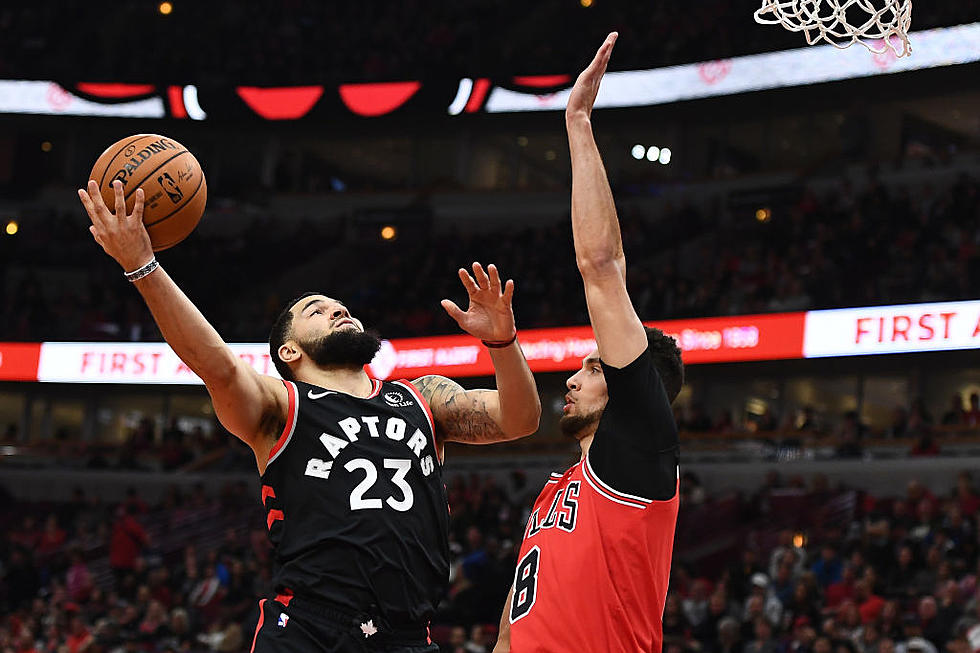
column 879, row 25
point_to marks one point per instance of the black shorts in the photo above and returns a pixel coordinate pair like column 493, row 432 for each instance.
column 306, row 627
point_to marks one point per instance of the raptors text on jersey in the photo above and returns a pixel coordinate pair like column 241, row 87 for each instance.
column 355, row 501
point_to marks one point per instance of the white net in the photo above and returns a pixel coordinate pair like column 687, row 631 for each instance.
column 879, row 25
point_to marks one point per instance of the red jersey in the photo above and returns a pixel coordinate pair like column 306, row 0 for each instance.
column 594, row 565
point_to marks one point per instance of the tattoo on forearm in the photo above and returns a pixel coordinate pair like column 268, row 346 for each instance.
column 460, row 416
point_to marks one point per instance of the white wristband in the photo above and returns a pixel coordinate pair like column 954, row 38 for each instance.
column 142, row 271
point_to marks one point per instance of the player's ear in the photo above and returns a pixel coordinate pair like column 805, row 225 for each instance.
column 289, row 352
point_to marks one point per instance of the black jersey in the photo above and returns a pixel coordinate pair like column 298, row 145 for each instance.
column 357, row 509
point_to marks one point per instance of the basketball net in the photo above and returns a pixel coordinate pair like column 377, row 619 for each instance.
column 879, row 25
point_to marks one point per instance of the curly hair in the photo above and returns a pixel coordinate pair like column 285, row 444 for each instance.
column 667, row 359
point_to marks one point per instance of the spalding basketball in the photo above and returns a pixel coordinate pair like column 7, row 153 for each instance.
column 174, row 188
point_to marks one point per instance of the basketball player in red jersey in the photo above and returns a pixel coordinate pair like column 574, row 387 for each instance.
column 594, row 564
column 351, row 466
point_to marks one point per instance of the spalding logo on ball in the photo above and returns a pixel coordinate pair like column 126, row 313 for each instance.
column 174, row 188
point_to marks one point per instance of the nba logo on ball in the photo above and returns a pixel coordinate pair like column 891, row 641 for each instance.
column 170, row 187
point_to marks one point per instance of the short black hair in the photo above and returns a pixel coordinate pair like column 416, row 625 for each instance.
column 667, row 359
column 281, row 330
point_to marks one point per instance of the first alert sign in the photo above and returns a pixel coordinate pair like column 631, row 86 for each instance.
column 892, row 329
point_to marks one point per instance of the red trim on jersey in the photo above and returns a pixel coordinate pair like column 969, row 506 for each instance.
column 258, row 626
column 375, row 389
column 292, row 412
column 267, row 491
column 604, row 490
column 405, row 383
column 286, row 597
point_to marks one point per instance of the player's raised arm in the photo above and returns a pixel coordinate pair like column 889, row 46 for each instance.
column 250, row 405
column 595, row 226
column 485, row 416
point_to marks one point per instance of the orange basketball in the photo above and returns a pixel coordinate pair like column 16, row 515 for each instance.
column 173, row 184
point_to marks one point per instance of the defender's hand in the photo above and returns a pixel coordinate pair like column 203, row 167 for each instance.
column 490, row 315
column 122, row 236
column 586, row 87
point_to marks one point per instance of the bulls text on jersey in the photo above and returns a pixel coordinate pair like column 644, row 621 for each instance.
column 562, row 513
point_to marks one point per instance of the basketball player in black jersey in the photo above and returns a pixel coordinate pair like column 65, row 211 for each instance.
column 351, row 466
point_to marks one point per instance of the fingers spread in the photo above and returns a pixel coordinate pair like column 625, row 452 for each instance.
column 494, row 278
column 138, row 206
column 93, row 214
column 468, row 282
column 95, row 194
column 482, row 280
column 120, row 195
column 509, row 290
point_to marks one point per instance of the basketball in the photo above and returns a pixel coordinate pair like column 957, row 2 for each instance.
column 173, row 184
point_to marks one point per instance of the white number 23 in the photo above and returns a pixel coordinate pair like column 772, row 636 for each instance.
column 400, row 467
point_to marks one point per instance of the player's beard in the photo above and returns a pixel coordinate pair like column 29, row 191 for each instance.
column 579, row 426
column 344, row 348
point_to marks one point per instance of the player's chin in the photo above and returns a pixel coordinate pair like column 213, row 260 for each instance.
column 576, row 426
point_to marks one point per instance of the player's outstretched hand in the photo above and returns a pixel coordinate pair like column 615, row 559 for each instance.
column 490, row 315
column 586, row 87
column 122, row 236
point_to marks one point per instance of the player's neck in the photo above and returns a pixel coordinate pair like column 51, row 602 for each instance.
column 349, row 380
column 585, row 443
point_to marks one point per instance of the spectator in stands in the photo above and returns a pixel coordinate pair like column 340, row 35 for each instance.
column 675, row 624
column 850, row 435
column 921, row 429
column 695, row 606
column 802, row 638
column 128, row 541
column 718, row 609
column 867, row 638
column 740, row 574
column 786, row 546
column 869, row 604
column 937, row 621
column 155, row 622
column 784, row 583
column 28, row 536
column 769, row 606
column 841, row 591
column 828, row 568
column 763, row 641
column 955, row 415
column 972, row 415
column 966, row 495
column 899, row 423
column 52, row 539
column 728, row 639
column 78, row 580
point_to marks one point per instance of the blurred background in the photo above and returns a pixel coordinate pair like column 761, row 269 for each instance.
column 368, row 150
